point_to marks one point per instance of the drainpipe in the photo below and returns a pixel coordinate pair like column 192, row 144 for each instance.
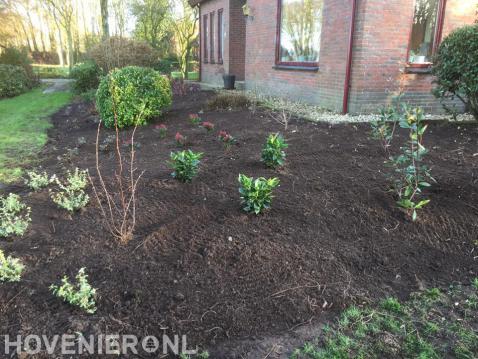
column 348, row 72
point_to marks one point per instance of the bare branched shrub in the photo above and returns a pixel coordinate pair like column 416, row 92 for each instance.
column 117, row 199
column 228, row 101
column 281, row 116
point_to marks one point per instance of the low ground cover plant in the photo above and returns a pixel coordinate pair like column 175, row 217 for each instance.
column 209, row 126
column 133, row 94
column 11, row 269
column 195, row 119
column 273, row 154
column 82, row 294
column 410, row 175
column 37, row 180
column 432, row 324
column 71, row 195
column 14, row 216
column 180, row 139
column 456, row 68
column 256, row 194
column 162, row 129
column 185, row 164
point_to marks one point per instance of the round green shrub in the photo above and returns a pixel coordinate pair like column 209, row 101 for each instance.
column 87, row 76
column 137, row 93
column 456, row 68
column 13, row 80
column 18, row 57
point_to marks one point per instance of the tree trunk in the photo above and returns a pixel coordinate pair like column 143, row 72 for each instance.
column 69, row 37
column 104, row 19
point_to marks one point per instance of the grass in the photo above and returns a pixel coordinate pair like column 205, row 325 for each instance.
column 51, row 71
column 24, row 129
column 432, row 324
column 192, row 75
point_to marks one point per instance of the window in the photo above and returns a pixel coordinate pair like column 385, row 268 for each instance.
column 426, row 31
column 220, row 36
column 299, row 30
column 212, row 35
column 205, row 37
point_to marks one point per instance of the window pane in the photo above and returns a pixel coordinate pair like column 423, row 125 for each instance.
column 423, row 31
column 301, row 25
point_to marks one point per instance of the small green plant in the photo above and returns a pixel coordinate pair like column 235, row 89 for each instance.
column 11, row 269
column 14, row 216
column 71, row 195
column 384, row 129
column 37, row 180
column 256, row 194
column 82, row 295
column 410, row 176
column 475, row 283
column 185, row 164
column 194, row 119
column 273, row 154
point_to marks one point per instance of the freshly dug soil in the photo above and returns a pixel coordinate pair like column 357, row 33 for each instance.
column 198, row 265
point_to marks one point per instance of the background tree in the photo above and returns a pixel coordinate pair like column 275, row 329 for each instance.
column 185, row 34
column 104, row 19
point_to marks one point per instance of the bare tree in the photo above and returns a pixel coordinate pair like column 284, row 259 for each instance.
column 104, row 19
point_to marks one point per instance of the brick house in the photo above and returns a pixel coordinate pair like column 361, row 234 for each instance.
column 345, row 55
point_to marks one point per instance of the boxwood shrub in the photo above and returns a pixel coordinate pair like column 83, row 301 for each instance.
column 137, row 93
column 456, row 68
column 87, row 76
column 13, row 80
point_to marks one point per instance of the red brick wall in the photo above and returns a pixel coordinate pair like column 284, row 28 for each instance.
column 237, row 39
column 324, row 87
column 380, row 53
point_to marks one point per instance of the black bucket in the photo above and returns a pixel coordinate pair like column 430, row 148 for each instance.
column 229, row 81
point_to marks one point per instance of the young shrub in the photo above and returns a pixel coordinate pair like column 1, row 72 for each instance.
column 384, row 129
column 456, row 68
column 37, row 180
column 256, row 194
column 273, row 154
column 71, row 195
column 81, row 295
column 14, row 216
column 209, row 126
column 11, row 269
column 87, row 76
column 194, row 119
column 162, row 129
column 185, row 165
column 180, row 139
column 410, row 175
column 134, row 95
column 13, row 81
column 226, row 138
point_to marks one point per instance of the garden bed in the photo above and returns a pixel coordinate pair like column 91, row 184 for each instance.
column 198, row 265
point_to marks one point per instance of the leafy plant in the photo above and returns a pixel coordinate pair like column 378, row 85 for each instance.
column 208, row 126
column 11, row 269
column 456, row 68
column 180, row 139
column 14, row 216
column 87, row 76
column 37, row 180
column 81, row 295
column 71, row 195
column 194, row 119
column 185, row 165
column 226, row 138
column 162, row 129
column 273, row 154
column 13, row 80
column 384, row 129
column 256, row 194
column 132, row 94
column 410, row 175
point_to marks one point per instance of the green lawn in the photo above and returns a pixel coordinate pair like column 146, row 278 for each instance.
column 24, row 125
column 51, row 71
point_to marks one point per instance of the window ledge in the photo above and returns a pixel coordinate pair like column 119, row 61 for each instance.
column 426, row 70
column 296, row 68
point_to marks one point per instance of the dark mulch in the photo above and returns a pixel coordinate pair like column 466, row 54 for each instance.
column 200, row 266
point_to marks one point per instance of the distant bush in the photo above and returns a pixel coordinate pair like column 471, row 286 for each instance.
column 456, row 68
column 87, row 76
column 17, row 57
column 228, row 101
column 120, row 52
column 13, row 81
column 136, row 94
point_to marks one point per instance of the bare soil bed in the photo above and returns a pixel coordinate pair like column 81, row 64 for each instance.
column 198, row 265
